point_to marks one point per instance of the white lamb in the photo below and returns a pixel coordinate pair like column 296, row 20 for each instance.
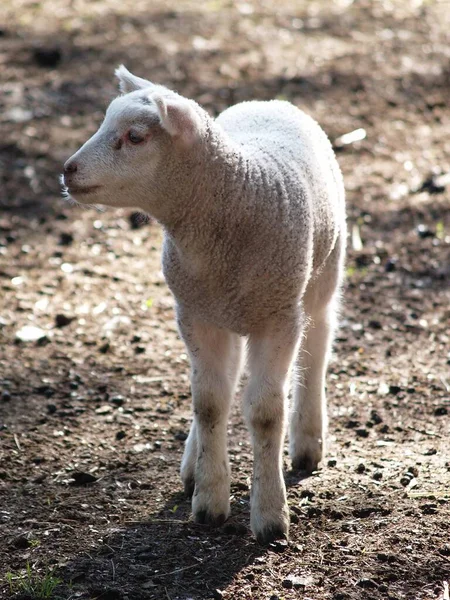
column 253, row 210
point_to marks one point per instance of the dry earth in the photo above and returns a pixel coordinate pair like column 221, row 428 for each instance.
column 93, row 415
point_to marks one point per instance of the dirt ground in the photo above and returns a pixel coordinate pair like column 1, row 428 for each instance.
column 93, row 415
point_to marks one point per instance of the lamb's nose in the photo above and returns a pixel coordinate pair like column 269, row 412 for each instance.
column 70, row 168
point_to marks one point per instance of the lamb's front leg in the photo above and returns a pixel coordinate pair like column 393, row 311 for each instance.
column 205, row 469
column 270, row 359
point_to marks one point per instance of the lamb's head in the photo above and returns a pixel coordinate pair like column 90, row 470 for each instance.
column 144, row 130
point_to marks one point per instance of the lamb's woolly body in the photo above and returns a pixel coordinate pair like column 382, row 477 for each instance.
column 272, row 210
column 252, row 206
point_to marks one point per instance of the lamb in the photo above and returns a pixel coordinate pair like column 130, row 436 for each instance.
column 253, row 211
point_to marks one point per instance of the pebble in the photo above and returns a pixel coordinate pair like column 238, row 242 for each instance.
column 30, row 333
column 391, row 265
column 423, row 231
column 6, row 396
column 118, row 400
column 62, row 320
column 65, row 239
column 47, row 57
column 103, row 410
column 21, row 542
column 362, row 432
column 82, row 478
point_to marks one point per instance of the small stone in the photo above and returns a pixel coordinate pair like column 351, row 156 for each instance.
column 391, row 265
column 375, row 417
column 351, row 424
column 287, row 584
column 360, row 468
column 120, row 435
column 63, row 320
column 65, row 239
column 118, row 400
column 362, row 432
column 103, row 410
column 82, row 478
column 47, row 57
column 444, row 550
column 429, row 508
column 21, row 542
column 423, row 231
column 181, row 436
column 332, row 462
column 307, row 494
column 30, row 333
column 414, row 471
column 104, row 348
column 6, row 396
column 394, row 389
column 378, row 476
column 367, row 583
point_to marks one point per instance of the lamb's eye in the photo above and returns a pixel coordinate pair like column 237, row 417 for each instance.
column 135, row 138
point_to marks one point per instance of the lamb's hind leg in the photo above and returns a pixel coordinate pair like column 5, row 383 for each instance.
column 270, row 356
column 308, row 420
column 205, row 469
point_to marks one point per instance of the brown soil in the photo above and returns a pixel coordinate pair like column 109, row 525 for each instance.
column 94, row 415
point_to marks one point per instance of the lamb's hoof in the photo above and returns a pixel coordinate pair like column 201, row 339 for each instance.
column 189, row 487
column 271, row 533
column 204, row 517
column 305, row 463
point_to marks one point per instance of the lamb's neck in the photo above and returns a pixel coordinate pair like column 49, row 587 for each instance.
column 207, row 190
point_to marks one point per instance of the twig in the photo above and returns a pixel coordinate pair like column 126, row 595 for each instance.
column 16, row 439
column 113, row 570
column 424, row 432
column 167, row 593
column 178, row 570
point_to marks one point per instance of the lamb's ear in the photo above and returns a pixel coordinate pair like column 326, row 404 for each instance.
column 129, row 82
column 178, row 118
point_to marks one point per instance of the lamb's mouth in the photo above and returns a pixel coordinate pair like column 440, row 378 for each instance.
column 78, row 190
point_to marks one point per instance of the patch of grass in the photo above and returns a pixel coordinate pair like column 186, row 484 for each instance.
column 36, row 585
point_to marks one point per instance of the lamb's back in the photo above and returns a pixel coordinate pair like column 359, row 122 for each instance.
column 296, row 159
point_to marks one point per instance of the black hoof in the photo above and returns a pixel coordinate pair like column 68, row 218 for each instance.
column 204, row 517
column 304, row 463
column 270, row 534
column 189, row 487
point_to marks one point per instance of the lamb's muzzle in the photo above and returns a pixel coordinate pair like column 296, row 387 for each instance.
column 253, row 211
